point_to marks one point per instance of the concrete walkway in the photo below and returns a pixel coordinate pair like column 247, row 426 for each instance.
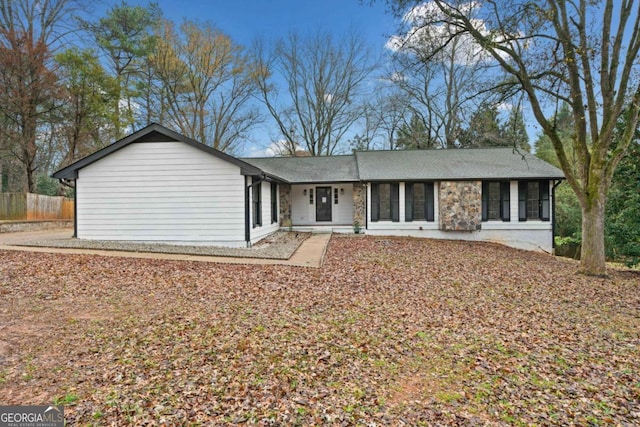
column 309, row 254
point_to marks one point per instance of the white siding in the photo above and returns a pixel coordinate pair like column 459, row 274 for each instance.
column 161, row 192
column 304, row 213
column 531, row 235
column 267, row 227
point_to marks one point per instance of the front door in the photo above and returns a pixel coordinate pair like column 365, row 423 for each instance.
column 323, row 203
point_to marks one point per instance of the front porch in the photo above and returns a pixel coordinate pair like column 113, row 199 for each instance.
column 323, row 207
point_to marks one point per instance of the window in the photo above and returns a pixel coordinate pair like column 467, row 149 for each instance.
column 311, row 196
column 496, row 201
column 274, row 202
column 419, row 201
column 533, row 200
column 256, row 197
column 335, row 196
column 385, row 202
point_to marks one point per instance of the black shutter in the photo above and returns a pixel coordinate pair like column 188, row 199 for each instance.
column 544, row 200
column 408, row 202
column 505, row 202
column 259, row 210
column 257, row 204
column 274, row 202
column 485, row 200
column 395, row 202
column 522, row 200
column 429, row 200
column 375, row 202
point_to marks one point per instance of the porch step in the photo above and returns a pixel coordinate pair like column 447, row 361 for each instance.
column 322, row 229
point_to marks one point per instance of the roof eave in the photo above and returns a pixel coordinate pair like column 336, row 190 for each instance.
column 70, row 172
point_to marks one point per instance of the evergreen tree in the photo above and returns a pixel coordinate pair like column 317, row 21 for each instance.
column 563, row 123
column 484, row 128
column 622, row 220
column 514, row 131
column 126, row 35
column 414, row 135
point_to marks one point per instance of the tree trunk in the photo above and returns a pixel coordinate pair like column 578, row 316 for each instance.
column 29, row 151
column 592, row 259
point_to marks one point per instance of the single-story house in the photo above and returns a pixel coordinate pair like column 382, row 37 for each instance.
column 156, row 185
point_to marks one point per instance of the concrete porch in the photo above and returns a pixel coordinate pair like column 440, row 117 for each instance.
column 323, row 229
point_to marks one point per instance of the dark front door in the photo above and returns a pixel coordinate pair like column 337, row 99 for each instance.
column 323, row 203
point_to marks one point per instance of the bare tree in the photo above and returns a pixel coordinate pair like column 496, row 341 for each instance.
column 206, row 84
column 442, row 85
column 322, row 79
column 580, row 52
column 393, row 114
column 383, row 115
column 29, row 31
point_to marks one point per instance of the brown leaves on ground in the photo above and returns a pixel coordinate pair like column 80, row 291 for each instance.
column 390, row 331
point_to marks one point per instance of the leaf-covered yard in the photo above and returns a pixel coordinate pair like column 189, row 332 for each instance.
column 390, row 331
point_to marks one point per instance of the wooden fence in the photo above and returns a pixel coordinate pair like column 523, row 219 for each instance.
column 34, row 207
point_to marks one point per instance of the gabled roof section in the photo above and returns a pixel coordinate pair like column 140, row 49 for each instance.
column 312, row 169
column 152, row 133
column 453, row 164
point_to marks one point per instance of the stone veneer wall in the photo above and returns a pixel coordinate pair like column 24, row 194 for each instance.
column 285, row 204
column 460, row 205
column 360, row 203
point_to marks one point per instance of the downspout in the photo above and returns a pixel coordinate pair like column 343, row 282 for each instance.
column 247, row 232
column 553, row 216
column 75, row 209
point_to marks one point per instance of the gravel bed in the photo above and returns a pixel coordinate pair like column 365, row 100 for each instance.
column 279, row 245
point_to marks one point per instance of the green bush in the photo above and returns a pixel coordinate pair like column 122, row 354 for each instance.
column 622, row 225
column 47, row 186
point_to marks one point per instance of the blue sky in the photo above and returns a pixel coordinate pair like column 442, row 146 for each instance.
column 246, row 20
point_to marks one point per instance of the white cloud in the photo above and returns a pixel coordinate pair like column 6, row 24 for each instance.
column 505, row 106
column 275, row 149
column 428, row 27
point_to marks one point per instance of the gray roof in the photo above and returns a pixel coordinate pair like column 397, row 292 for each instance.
column 309, row 169
column 399, row 165
column 453, row 164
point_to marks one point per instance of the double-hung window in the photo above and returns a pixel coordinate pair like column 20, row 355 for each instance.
column 533, row 200
column 385, row 202
column 419, row 201
column 496, row 201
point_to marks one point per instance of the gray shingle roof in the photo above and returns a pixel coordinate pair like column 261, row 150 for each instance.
column 455, row 164
column 308, row 169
